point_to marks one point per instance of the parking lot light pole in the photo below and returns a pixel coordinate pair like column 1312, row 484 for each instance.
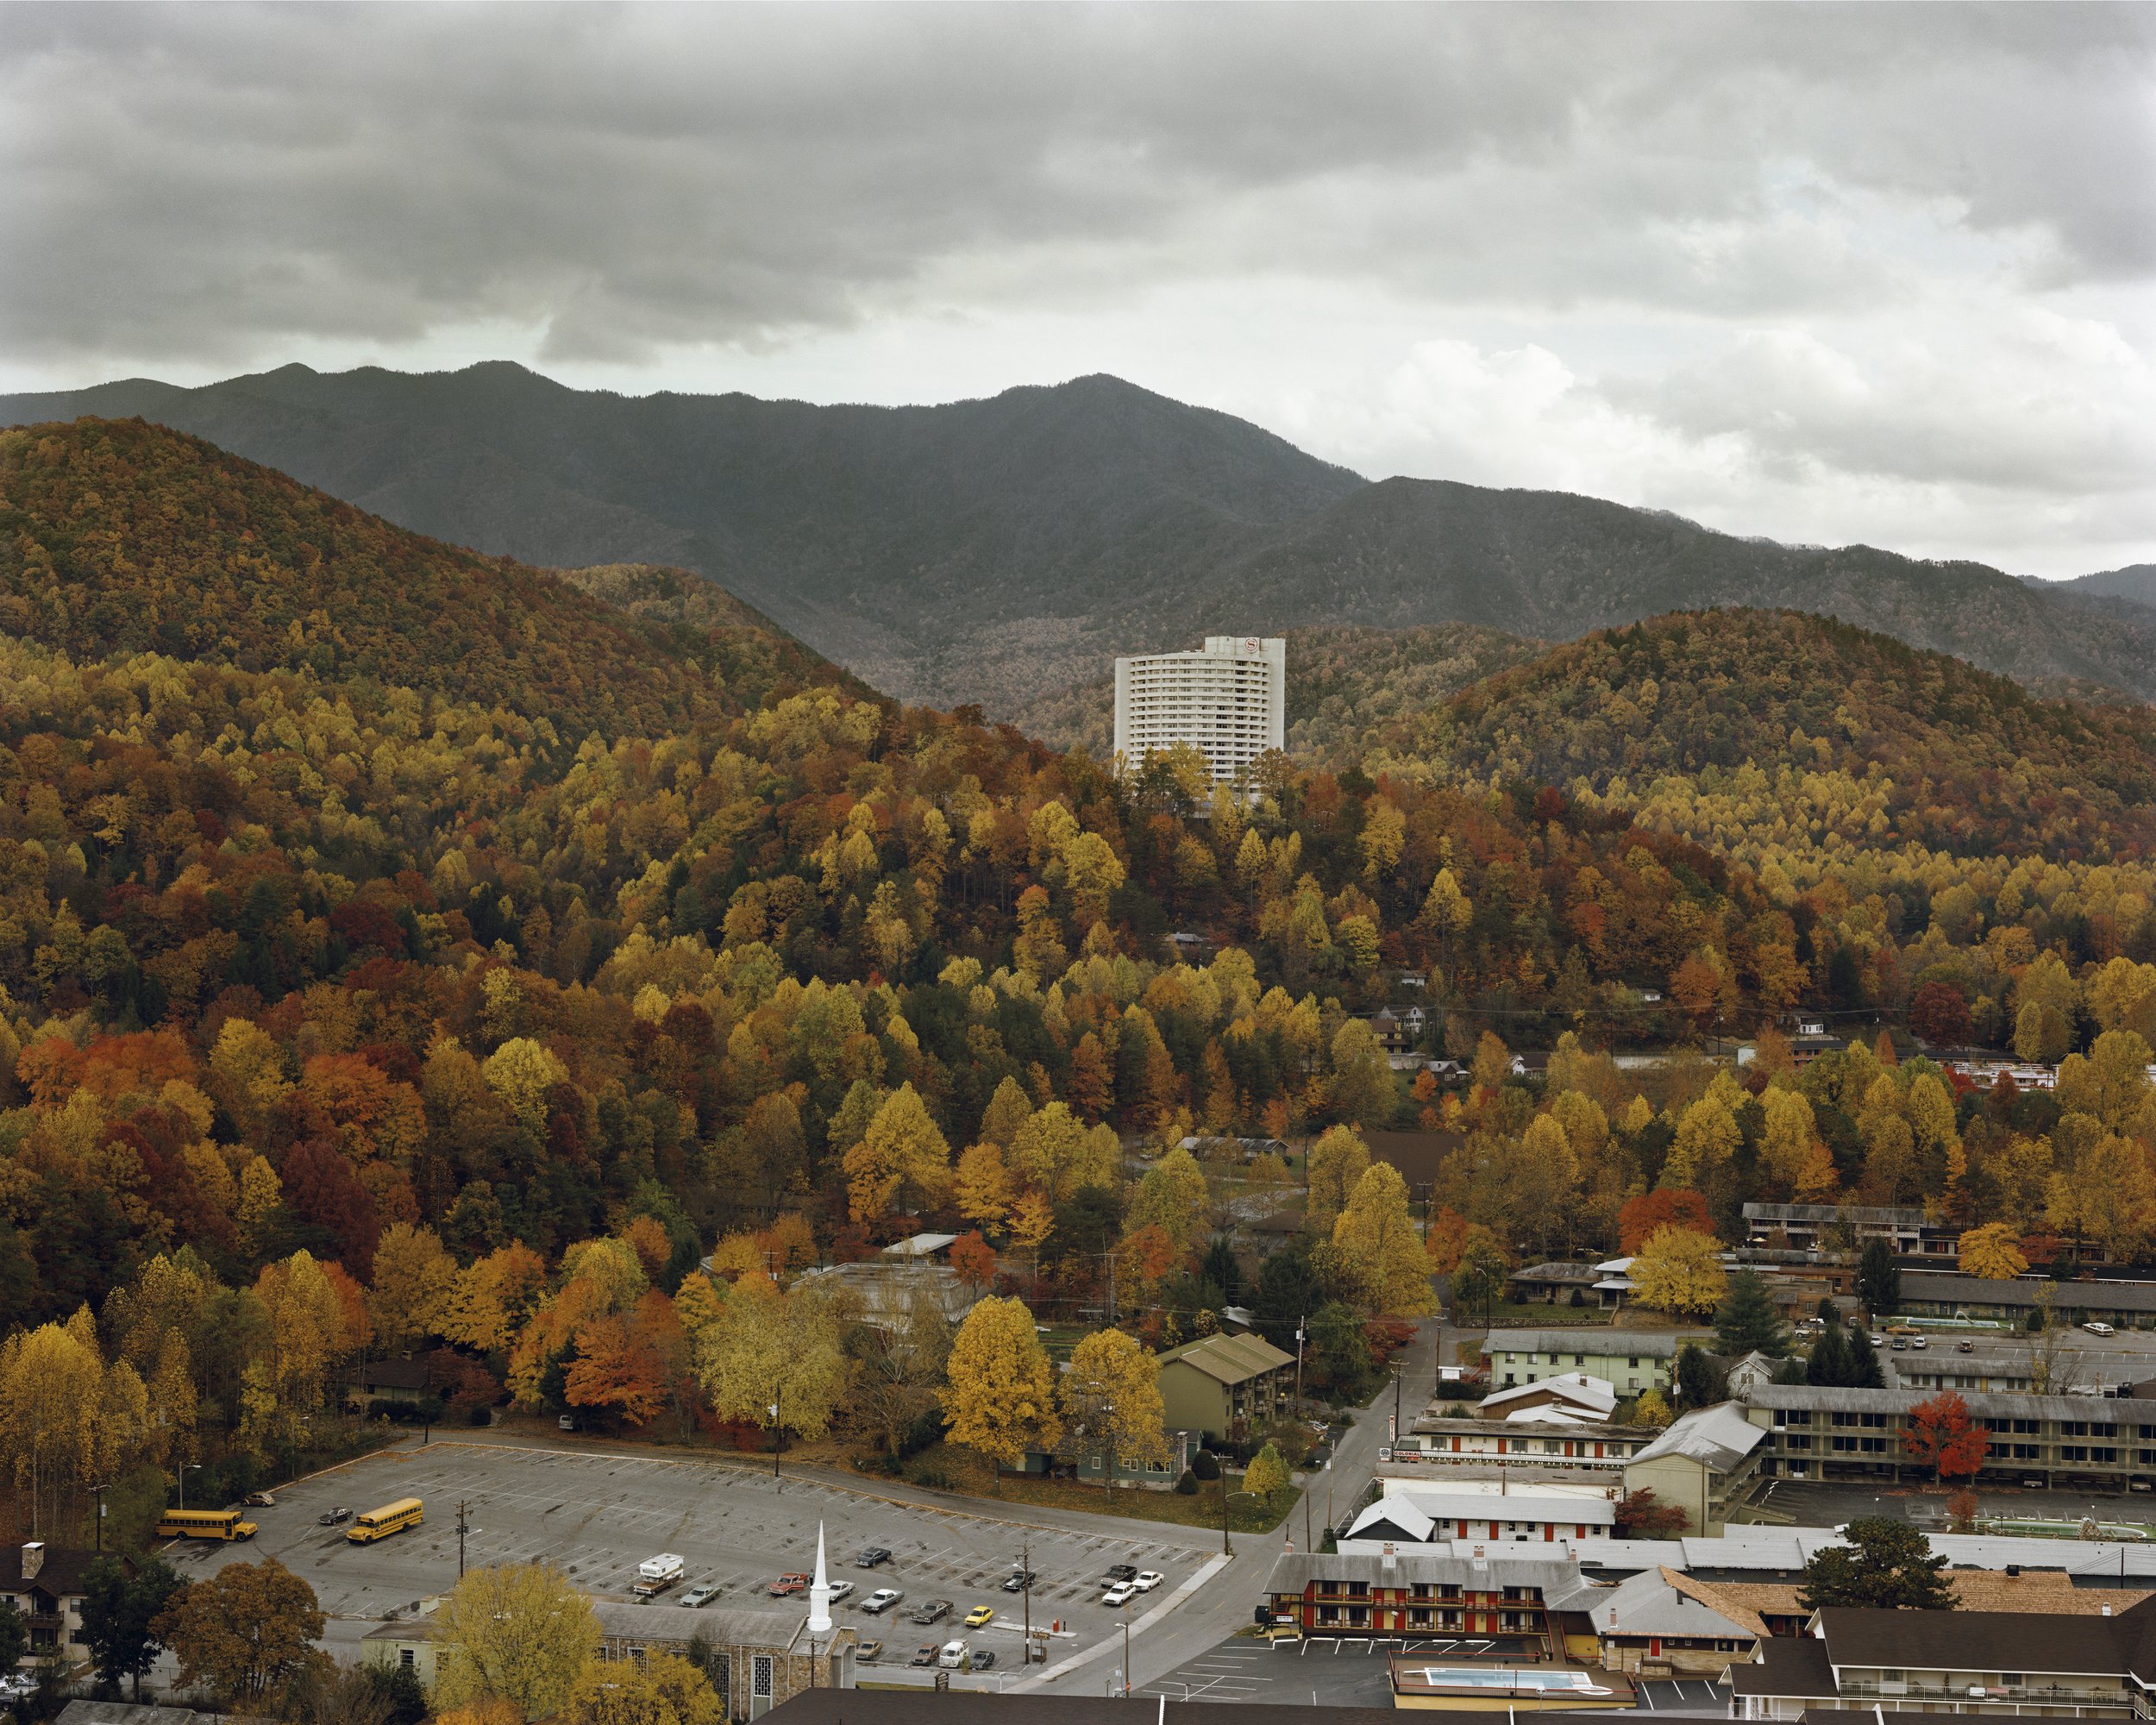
column 778, row 1433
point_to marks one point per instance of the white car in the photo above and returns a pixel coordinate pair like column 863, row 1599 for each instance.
column 1121, row 1594
column 1147, row 1580
column 840, row 1588
column 953, row 1656
column 2097, row 1329
column 881, row 1599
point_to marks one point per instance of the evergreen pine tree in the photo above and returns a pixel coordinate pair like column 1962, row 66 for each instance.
column 1879, row 1279
column 1829, row 1363
column 1863, row 1360
column 1748, row 1321
column 1700, row 1382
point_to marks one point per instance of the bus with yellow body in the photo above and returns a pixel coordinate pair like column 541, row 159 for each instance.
column 379, row 1524
column 203, row 1524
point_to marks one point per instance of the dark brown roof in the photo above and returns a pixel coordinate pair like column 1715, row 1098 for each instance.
column 60, row 1575
column 395, row 1374
column 957, row 1707
column 1788, row 1664
column 1982, row 1640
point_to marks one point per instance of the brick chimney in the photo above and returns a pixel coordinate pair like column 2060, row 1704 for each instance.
column 33, row 1559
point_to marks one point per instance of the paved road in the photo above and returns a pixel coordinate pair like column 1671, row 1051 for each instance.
column 1228, row 1601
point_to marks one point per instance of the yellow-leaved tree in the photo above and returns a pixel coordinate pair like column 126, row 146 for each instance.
column 1335, row 1163
column 1679, row 1270
column 1993, row 1252
column 1110, row 1396
column 1377, row 1243
column 902, row 1158
column 660, row 1689
column 516, row 1633
column 999, row 1388
column 1171, row 1196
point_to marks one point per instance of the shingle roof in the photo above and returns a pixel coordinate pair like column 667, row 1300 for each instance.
column 60, row 1574
column 743, row 1626
column 924, row 1706
column 1558, row 1579
column 1597, row 1339
column 1787, row 1665
column 1869, row 1215
column 1230, row 1359
column 1720, row 1436
column 1945, row 1287
column 1982, row 1640
column 1983, row 1406
column 1662, row 1602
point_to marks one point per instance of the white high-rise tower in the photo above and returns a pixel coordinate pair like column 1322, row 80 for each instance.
column 1228, row 699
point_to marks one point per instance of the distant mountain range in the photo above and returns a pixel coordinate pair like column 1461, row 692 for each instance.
column 1000, row 550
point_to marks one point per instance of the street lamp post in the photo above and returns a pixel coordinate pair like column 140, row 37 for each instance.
column 778, row 1434
column 1302, row 1324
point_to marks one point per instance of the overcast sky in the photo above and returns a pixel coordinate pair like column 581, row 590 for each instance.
column 1827, row 275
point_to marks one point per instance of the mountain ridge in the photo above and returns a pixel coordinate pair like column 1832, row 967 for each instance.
column 1006, row 547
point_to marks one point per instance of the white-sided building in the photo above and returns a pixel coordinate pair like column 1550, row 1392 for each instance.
column 1228, row 699
column 1409, row 1514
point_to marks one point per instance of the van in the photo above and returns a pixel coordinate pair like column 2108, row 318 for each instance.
column 953, row 1656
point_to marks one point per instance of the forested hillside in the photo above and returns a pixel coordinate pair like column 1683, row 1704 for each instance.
column 1004, row 551
column 121, row 536
column 450, row 971
column 1780, row 715
column 1345, row 684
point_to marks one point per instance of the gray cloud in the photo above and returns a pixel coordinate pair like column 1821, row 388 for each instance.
column 1669, row 196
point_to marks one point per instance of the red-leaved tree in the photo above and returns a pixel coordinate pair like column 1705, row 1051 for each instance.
column 1941, row 1436
column 1638, row 1220
column 1641, row 1515
column 1939, row 1014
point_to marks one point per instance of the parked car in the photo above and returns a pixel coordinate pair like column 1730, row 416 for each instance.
column 881, row 1601
column 700, row 1596
column 1964, row 1347
column 934, row 1612
column 1117, row 1572
column 1147, row 1580
column 868, row 1653
column 333, row 1518
column 567, row 1422
column 1919, row 1342
column 985, row 1659
column 873, row 1556
column 1121, row 1594
column 2093, row 1327
column 953, row 1656
column 923, row 1655
column 787, row 1585
column 980, row 1616
column 1019, row 1580
column 840, row 1588
column 259, row 1500
column 1900, row 1345
column 1877, row 1340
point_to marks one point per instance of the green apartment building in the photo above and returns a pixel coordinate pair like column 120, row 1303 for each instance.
column 1226, row 1386
column 1629, row 1361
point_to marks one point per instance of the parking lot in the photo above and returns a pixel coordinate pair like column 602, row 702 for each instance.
column 596, row 1515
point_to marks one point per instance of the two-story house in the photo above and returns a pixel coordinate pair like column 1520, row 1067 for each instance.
column 46, row 1586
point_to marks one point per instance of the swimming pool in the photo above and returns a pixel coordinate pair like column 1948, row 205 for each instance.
column 1466, row 1676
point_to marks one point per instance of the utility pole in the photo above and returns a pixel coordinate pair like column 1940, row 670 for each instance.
column 463, row 1527
column 1226, row 1550
column 778, row 1433
column 100, row 1490
column 1126, row 1655
column 1303, row 1325
column 1026, row 1568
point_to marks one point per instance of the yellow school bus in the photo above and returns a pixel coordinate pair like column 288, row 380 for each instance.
column 203, row 1524
column 379, row 1524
